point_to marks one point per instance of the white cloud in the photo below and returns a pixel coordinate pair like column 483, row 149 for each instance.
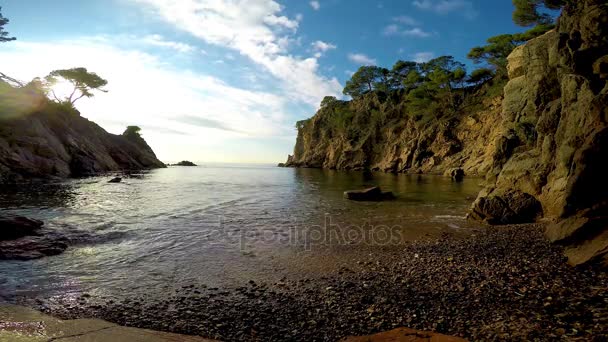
column 315, row 5
column 396, row 30
column 174, row 107
column 406, row 20
column 447, row 6
column 158, row 40
column 360, row 58
column 256, row 29
column 422, row 57
column 319, row 47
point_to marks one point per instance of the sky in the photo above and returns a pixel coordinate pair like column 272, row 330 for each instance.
column 226, row 80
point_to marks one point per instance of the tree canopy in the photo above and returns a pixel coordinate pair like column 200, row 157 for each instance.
column 3, row 34
column 365, row 80
column 132, row 131
column 529, row 12
column 84, row 83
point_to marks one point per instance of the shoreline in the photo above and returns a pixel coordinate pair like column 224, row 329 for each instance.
column 499, row 283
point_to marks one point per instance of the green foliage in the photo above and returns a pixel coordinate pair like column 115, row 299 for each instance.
column 84, row 83
column 367, row 79
column 132, row 131
column 499, row 47
column 301, row 124
column 528, row 12
column 480, row 76
column 3, row 34
column 328, row 101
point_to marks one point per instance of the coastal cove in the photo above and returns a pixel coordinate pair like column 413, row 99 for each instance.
column 268, row 269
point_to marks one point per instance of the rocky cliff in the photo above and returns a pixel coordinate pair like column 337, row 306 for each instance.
column 558, row 85
column 541, row 144
column 43, row 139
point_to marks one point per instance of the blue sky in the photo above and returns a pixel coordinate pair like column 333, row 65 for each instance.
column 225, row 80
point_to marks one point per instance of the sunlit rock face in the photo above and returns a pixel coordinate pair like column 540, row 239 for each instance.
column 41, row 139
column 558, row 89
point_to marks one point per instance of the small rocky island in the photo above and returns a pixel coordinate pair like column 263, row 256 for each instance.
column 184, row 163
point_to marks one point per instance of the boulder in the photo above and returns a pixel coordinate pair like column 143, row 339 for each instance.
column 374, row 194
column 282, row 165
column 14, row 227
column 510, row 207
column 115, row 180
column 405, row 335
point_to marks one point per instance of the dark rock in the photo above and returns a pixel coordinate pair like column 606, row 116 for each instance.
column 14, row 227
column 457, row 174
column 281, row 165
column 33, row 247
column 185, row 163
column 511, row 207
column 115, row 180
column 374, row 194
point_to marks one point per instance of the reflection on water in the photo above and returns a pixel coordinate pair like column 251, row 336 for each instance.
column 222, row 225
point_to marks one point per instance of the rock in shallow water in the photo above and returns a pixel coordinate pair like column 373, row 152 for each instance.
column 22, row 238
column 374, row 194
column 14, row 227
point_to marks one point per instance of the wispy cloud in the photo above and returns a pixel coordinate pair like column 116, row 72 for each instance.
column 406, row 20
column 360, row 58
column 257, row 30
column 158, row 40
column 396, row 30
column 448, row 6
column 315, row 5
column 422, row 57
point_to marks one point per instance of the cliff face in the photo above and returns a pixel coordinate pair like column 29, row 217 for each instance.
column 41, row 139
column 558, row 85
column 377, row 133
column 542, row 147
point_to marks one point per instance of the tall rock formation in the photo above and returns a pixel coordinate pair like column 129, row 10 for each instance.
column 42, row 139
column 558, row 87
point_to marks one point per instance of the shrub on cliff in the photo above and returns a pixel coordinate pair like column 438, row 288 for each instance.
column 527, row 12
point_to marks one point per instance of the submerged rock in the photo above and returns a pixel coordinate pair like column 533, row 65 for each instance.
column 374, row 194
column 14, row 227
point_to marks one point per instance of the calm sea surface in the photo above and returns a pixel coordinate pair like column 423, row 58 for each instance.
column 221, row 225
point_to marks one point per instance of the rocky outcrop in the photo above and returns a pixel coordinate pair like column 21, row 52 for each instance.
column 558, row 94
column 42, row 139
column 376, row 133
